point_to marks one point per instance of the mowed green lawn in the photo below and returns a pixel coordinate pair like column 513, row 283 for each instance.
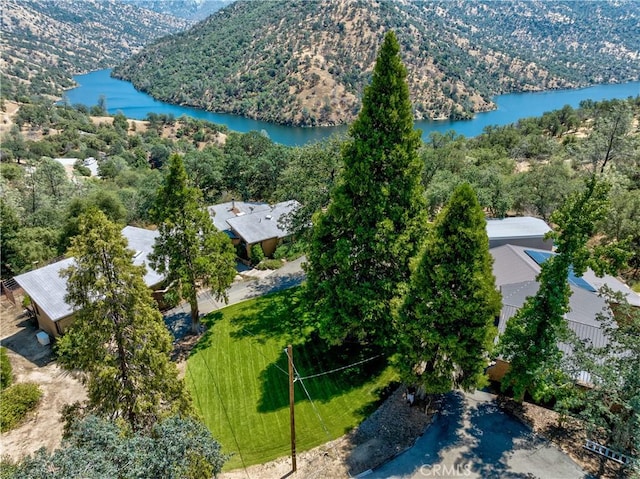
column 237, row 375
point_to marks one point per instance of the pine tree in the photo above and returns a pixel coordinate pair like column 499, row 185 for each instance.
column 118, row 338
column 530, row 341
column 446, row 320
column 190, row 251
column 361, row 247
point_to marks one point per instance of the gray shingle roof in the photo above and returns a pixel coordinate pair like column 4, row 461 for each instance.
column 224, row 211
column 47, row 288
column 262, row 224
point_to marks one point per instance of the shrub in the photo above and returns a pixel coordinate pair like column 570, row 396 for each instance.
column 257, row 254
column 269, row 264
column 6, row 373
column 290, row 251
column 17, row 401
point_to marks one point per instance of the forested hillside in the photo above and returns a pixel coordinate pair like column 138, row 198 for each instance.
column 188, row 9
column 305, row 63
column 528, row 168
column 44, row 43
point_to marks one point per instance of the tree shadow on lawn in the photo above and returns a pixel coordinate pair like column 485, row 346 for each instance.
column 312, row 360
column 275, row 315
column 206, row 340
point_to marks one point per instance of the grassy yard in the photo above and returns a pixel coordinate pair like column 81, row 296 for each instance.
column 237, row 375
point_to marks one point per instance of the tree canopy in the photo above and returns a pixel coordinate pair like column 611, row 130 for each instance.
column 175, row 448
column 361, row 247
column 446, row 323
column 118, row 339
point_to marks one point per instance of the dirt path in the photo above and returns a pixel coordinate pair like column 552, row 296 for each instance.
column 32, row 362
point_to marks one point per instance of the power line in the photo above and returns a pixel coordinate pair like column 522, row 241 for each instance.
column 341, row 368
column 298, row 377
column 315, row 409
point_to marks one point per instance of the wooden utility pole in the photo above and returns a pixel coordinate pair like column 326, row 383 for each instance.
column 291, row 408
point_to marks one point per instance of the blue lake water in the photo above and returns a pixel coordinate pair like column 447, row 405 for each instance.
column 121, row 96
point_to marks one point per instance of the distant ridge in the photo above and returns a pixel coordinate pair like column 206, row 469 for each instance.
column 45, row 42
column 306, row 62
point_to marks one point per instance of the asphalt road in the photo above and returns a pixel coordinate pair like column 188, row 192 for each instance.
column 472, row 438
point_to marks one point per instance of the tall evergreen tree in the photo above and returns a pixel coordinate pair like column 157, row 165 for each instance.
column 530, row 341
column 446, row 320
column 190, row 251
column 361, row 247
column 118, row 338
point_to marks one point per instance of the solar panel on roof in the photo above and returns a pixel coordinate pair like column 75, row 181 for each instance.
column 541, row 256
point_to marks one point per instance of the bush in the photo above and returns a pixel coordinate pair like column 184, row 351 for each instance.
column 17, row 401
column 257, row 254
column 290, row 251
column 6, row 373
column 269, row 264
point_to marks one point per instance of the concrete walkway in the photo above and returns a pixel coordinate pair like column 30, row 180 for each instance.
column 248, row 284
column 472, row 438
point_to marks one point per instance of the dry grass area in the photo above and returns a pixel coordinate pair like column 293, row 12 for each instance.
column 33, row 362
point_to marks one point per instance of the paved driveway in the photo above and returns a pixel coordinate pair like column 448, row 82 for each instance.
column 178, row 319
column 472, row 438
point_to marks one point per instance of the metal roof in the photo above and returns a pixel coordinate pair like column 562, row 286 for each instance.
column 585, row 306
column 512, row 264
column 48, row 289
column 518, row 227
column 263, row 224
column 581, row 318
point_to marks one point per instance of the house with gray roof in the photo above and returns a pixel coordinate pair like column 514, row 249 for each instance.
column 248, row 224
column 516, row 268
column 47, row 289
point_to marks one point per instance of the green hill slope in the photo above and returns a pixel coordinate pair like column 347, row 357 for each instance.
column 43, row 43
column 305, row 62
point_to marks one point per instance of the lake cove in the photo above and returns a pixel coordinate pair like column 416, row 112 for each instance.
column 121, row 96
